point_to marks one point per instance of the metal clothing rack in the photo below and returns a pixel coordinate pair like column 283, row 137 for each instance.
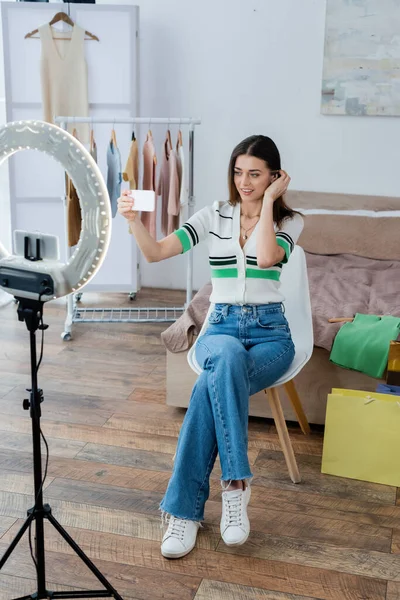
column 77, row 314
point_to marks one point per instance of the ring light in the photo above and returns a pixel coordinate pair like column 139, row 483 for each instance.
column 95, row 208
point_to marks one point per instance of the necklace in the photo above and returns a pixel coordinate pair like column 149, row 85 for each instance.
column 245, row 236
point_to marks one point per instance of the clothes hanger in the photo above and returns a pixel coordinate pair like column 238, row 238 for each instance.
column 169, row 136
column 155, row 156
column 179, row 141
column 62, row 16
column 92, row 142
column 113, row 139
column 345, row 319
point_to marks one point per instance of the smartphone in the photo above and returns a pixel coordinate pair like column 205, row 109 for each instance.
column 31, row 244
column 144, row 200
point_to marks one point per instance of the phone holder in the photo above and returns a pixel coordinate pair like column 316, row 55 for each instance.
column 94, row 201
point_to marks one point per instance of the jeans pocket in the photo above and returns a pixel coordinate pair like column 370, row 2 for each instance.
column 272, row 322
column 215, row 317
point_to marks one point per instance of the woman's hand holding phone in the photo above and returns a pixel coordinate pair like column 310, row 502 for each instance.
column 126, row 206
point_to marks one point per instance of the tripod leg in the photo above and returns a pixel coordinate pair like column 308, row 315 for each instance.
column 65, row 535
column 15, row 541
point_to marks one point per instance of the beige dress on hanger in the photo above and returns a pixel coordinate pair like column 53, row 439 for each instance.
column 149, row 219
column 64, row 76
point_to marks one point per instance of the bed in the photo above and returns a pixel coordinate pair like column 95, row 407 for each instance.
column 353, row 263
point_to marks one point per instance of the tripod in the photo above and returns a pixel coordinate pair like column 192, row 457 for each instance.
column 31, row 311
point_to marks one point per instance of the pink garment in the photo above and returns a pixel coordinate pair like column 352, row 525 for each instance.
column 163, row 186
column 179, row 167
column 174, row 205
column 169, row 190
column 149, row 219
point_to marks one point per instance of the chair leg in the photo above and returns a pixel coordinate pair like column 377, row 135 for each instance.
column 291, row 391
column 284, row 438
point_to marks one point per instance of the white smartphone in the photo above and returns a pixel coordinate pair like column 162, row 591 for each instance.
column 26, row 244
column 144, row 200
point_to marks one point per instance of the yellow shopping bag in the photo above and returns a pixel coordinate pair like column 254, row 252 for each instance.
column 362, row 436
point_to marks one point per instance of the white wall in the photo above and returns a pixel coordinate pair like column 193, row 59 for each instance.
column 255, row 66
column 250, row 67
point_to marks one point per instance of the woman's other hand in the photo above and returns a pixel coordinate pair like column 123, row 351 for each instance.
column 278, row 187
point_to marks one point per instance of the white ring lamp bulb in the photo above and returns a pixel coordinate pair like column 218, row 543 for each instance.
column 93, row 198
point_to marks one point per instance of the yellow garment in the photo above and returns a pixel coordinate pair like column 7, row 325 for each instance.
column 74, row 214
column 131, row 171
column 362, row 436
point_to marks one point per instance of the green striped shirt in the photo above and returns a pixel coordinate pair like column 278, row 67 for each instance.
column 235, row 274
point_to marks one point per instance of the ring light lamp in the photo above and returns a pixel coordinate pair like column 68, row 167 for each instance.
column 46, row 279
column 35, row 279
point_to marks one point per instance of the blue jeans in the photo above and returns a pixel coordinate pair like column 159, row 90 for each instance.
column 244, row 350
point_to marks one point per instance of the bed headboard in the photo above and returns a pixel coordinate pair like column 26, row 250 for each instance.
column 349, row 224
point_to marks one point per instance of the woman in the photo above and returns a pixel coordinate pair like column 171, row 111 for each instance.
column 247, row 345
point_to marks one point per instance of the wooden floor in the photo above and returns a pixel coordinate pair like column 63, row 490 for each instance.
column 112, row 439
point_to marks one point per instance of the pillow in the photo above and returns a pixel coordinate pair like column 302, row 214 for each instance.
column 373, row 234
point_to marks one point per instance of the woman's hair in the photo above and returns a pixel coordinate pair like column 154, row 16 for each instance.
column 264, row 148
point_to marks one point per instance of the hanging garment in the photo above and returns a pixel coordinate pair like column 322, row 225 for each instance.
column 114, row 175
column 183, row 195
column 64, row 76
column 163, row 186
column 74, row 215
column 149, row 219
column 174, row 206
column 131, row 171
column 93, row 147
column 168, row 189
column 363, row 345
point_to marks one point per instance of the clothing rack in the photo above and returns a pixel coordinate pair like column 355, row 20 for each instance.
column 150, row 314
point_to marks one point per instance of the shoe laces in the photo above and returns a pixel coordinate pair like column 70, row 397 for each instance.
column 176, row 528
column 233, row 508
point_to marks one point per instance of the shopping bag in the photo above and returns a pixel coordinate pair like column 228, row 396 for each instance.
column 362, row 436
column 393, row 368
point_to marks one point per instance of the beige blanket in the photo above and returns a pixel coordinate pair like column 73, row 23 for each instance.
column 340, row 286
column 179, row 336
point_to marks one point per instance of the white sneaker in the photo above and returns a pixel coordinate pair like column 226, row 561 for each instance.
column 235, row 524
column 180, row 537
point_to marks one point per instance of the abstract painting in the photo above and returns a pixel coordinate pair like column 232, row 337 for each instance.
column 362, row 58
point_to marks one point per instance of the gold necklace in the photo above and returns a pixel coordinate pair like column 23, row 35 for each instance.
column 245, row 236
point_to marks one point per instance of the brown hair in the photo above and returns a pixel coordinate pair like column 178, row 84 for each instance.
column 264, row 148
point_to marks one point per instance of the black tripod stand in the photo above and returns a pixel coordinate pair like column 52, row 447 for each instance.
column 31, row 311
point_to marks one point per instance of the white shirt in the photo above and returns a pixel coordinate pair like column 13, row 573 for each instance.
column 236, row 277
